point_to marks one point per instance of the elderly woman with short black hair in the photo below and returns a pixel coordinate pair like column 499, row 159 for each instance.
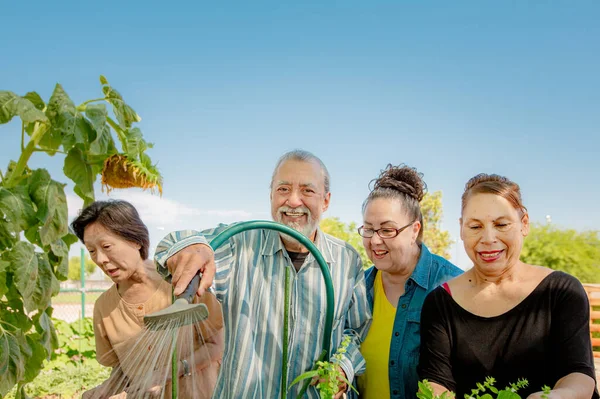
column 118, row 243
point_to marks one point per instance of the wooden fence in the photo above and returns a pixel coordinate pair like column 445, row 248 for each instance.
column 593, row 291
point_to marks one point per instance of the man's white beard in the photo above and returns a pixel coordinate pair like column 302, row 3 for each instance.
column 307, row 230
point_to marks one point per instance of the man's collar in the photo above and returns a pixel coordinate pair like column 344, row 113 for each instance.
column 273, row 244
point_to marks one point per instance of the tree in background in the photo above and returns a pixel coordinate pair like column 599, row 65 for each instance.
column 75, row 267
column 348, row 233
column 437, row 240
column 576, row 253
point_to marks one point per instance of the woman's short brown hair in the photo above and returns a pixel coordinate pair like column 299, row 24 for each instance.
column 119, row 217
column 494, row 184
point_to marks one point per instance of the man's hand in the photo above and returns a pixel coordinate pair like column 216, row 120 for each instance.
column 186, row 263
column 342, row 386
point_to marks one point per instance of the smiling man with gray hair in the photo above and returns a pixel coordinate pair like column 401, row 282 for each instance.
column 250, row 272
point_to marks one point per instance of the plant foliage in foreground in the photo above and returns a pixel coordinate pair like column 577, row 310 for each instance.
column 485, row 390
column 34, row 235
column 328, row 374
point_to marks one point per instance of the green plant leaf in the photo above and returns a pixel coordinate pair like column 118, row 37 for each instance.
column 507, row 394
column 24, row 266
column 135, row 143
column 77, row 169
column 104, row 143
column 12, row 105
column 49, row 197
column 58, row 255
column 68, row 127
column 7, row 237
column 21, row 394
column 36, row 100
column 12, row 363
column 304, row 376
column 7, row 106
column 17, row 208
column 70, row 239
column 60, row 112
column 34, row 358
column 46, row 286
column 45, row 327
column 12, row 311
column 3, row 284
column 124, row 113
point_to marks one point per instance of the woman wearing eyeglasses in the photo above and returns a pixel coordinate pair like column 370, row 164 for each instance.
column 404, row 272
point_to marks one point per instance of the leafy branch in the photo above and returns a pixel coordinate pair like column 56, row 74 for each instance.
column 482, row 391
column 328, row 373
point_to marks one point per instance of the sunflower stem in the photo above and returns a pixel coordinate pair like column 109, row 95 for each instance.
column 119, row 131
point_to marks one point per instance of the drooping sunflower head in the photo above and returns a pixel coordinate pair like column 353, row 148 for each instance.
column 121, row 172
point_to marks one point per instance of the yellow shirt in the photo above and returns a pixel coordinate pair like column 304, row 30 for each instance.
column 375, row 383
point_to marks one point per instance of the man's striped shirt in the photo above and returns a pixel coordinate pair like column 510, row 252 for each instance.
column 250, row 283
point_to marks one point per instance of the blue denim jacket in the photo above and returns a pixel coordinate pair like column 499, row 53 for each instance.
column 431, row 271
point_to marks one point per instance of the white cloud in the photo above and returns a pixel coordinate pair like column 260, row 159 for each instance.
column 162, row 215
column 159, row 210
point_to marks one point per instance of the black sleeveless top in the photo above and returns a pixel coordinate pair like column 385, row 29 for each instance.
column 542, row 339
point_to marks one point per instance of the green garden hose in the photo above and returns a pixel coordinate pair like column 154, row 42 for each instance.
column 268, row 225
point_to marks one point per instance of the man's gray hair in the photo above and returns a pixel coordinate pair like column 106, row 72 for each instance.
column 303, row 156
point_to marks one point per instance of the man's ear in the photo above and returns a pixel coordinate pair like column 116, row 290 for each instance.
column 326, row 201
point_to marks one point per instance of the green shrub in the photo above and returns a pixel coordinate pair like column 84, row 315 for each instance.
column 73, row 367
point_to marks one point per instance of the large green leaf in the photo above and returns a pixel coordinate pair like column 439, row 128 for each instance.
column 68, row 126
column 7, row 106
column 135, row 143
column 77, row 169
column 49, row 197
column 24, row 266
column 61, row 112
column 12, row 362
column 12, row 311
column 34, row 360
column 17, row 208
column 3, row 285
column 36, row 100
column 82, row 133
column 12, row 105
column 58, row 255
column 124, row 113
column 70, row 239
column 45, row 327
column 104, row 142
column 45, row 286
column 7, row 236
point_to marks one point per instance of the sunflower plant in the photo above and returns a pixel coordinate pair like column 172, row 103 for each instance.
column 34, row 235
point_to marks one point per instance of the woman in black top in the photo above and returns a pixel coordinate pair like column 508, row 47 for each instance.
column 504, row 318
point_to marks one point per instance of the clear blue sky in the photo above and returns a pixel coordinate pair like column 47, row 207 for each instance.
column 452, row 88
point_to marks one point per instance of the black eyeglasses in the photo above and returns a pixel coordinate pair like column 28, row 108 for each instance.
column 385, row 232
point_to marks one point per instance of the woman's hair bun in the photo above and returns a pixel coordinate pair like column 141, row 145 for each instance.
column 401, row 178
